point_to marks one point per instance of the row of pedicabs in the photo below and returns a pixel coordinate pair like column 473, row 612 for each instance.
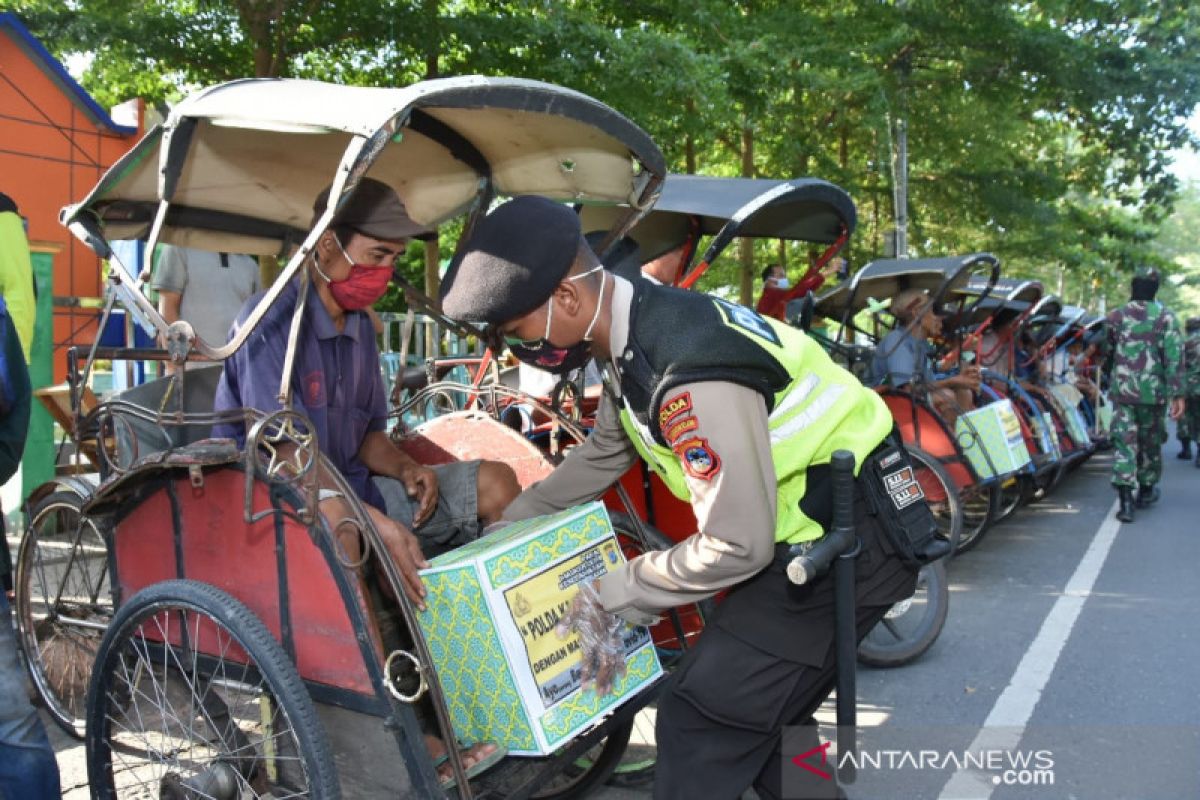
column 186, row 610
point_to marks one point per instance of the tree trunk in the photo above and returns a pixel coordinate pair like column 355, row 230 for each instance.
column 745, row 244
column 689, row 142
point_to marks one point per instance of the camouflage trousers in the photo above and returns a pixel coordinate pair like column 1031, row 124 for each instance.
column 1188, row 426
column 1138, row 434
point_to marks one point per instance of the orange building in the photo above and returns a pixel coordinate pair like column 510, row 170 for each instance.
column 55, row 143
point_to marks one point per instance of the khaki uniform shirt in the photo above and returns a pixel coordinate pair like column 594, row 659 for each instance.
column 734, row 501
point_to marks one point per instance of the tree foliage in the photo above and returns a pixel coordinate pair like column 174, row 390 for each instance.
column 1040, row 131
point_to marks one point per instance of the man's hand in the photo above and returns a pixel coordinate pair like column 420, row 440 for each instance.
column 421, row 482
column 1177, row 407
column 602, row 650
column 401, row 544
column 405, row 551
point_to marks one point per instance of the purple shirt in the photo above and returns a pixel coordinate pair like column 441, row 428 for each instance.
column 336, row 380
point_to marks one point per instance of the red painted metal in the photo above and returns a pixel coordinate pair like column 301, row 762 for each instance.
column 919, row 425
column 470, row 435
column 219, row 548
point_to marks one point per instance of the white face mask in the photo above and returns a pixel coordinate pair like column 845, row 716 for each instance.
column 782, row 283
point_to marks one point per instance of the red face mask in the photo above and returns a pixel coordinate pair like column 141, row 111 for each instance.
column 365, row 284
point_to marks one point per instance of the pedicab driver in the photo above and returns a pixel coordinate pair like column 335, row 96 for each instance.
column 739, row 415
column 337, row 383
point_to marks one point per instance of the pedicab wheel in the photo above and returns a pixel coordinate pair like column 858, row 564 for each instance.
column 981, row 508
column 1040, row 486
column 1012, row 495
column 62, row 603
column 910, row 627
column 578, row 779
column 941, row 494
column 192, row 697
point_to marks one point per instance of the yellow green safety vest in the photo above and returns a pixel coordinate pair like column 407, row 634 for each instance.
column 818, row 408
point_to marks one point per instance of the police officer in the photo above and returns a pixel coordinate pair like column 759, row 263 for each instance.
column 1145, row 352
column 1189, row 423
column 738, row 415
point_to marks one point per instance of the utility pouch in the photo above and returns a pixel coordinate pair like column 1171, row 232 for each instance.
column 896, row 500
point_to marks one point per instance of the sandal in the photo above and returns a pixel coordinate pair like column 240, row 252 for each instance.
column 479, row 767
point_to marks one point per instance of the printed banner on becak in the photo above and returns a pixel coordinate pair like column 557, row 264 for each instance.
column 538, row 603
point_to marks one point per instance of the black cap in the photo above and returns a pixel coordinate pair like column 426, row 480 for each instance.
column 515, row 257
column 7, row 204
column 375, row 210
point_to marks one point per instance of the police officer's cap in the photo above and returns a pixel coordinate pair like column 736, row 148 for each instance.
column 515, row 257
column 374, row 209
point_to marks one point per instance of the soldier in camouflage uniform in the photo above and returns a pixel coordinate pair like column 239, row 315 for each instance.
column 1189, row 423
column 1145, row 351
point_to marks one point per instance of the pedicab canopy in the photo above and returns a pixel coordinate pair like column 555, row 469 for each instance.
column 882, row 280
column 1009, row 296
column 802, row 209
column 236, row 167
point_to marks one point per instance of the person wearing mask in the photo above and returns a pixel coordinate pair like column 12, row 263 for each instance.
column 902, row 358
column 739, row 415
column 337, row 384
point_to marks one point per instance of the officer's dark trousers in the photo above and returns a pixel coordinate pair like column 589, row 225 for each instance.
column 766, row 660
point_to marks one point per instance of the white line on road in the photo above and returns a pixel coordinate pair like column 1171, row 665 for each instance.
column 1014, row 707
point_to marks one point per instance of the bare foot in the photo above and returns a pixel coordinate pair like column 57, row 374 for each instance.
column 470, row 755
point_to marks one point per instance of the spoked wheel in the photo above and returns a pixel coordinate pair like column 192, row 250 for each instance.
column 940, row 493
column 63, row 604
column 910, row 627
column 193, row 698
column 1012, row 494
column 981, row 507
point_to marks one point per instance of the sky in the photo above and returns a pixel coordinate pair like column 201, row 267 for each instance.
column 1187, row 162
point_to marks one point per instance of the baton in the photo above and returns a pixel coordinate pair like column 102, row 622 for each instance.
column 845, row 614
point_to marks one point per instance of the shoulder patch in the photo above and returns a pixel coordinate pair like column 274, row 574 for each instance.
column 674, row 407
column 747, row 319
column 677, row 429
column 699, row 460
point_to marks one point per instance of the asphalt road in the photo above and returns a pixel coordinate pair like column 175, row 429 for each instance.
column 1067, row 667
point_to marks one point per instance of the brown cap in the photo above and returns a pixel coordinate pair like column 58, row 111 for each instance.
column 373, row 209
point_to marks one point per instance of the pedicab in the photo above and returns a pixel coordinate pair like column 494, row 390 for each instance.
column 1068, row 376
column 1043, row 332
column 241, row 651
column 991, row 332
column 962, row 468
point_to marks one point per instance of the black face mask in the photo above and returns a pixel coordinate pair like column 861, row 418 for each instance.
column 544, row 354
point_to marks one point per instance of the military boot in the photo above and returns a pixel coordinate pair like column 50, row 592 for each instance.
column 1147, row 496
column 1125, row 512
column 1186, row 452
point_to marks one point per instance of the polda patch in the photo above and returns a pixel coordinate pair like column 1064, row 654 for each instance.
column 676, row 430
column 699, row 460
column 677, row 406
